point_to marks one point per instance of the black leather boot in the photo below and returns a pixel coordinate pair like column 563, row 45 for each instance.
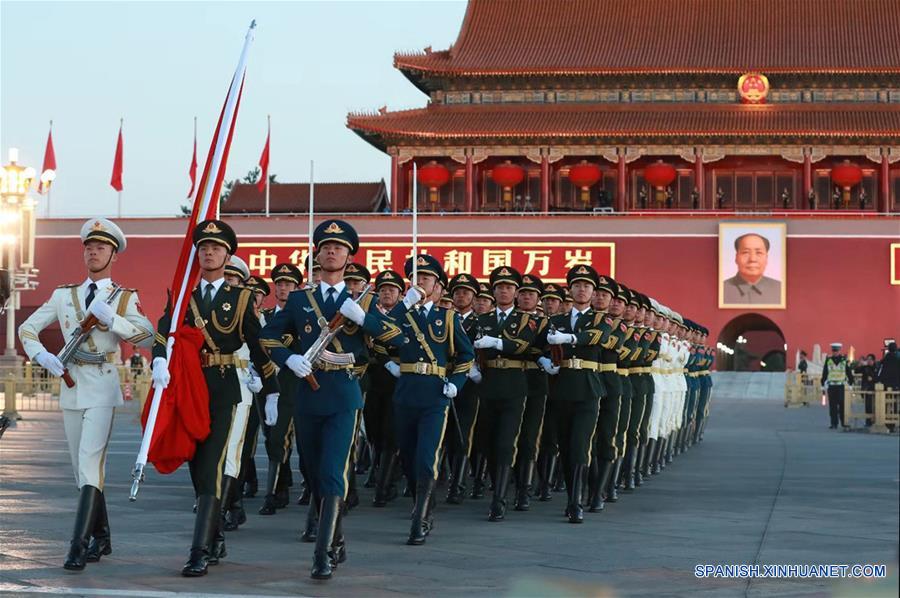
column 498, row 503
column 338, row 544
column 611, row 494
column 323, row 566
column 304, row 494
column 269, row 507
column 647, row 463
column 217, row 549
column 636, row 469
column 575, row 486
column 228, row 484
column 251, row 482
column 478, row 483
column 658, row 460
column 311, row 529
column 385, row 489
column 595, row 487
column 100, row 544
column 205, row 525
column 523, row 485
column 421, row 517
column 457, row 487
column 670, row 446
column 628, row 469
column 606, row 471
column 233, row 505
column 545, row 466
column 282, row 488
column 374, row 468
column 88, row 502
column 352, row 495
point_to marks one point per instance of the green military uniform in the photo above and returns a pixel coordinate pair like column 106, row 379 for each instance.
column 484, row 303
column 626, row 349
column 548, row 447
column 504, row 386
column 643, row 379
column 226, row 318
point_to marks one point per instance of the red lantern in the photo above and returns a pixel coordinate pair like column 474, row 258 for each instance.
column 434, row 176
column 845, row 176
column 660, row 175
column 585, row 175
column 508, row 175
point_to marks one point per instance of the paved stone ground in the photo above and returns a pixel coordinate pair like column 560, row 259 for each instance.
column 768, row 486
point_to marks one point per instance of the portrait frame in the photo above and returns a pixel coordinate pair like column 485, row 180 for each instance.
column 776, row 234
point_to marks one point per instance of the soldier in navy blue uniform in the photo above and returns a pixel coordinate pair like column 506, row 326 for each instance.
column 705, row 381
column 326, row 418
column 458, row 439
column 434, row 365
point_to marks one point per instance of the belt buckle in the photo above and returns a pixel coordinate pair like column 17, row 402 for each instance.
column 577, row 363
column 421, row 368
column 501, row 362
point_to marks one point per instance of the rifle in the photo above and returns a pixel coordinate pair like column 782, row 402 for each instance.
column 79, row 335
column 329, row 331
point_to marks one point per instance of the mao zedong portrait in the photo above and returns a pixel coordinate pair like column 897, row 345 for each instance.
column 750, row 286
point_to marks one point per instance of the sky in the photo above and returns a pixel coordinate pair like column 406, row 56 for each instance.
column 85, row 65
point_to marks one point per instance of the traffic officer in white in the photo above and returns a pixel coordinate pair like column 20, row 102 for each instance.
column 89, row 404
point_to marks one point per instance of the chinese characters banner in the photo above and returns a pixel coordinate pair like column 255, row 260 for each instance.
column 550, row 260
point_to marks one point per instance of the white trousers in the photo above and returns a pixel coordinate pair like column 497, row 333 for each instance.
column 656, row 412
column 238, row 431
column 88, row 432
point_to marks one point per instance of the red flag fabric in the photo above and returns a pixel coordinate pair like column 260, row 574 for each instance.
column 116, row 179
column 49, row 164
column 183, row 418
column 193, row 170
column 264, row 166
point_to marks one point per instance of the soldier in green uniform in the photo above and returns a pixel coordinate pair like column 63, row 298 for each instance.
column 552, row 300
column 484, row 303
column 225, row 316
column 463, row 288
column 625, row 306
column 650, row 344
column 637, row 380
column 378, row 410
column 507, row 335
column 435, row 362
column 527, row 300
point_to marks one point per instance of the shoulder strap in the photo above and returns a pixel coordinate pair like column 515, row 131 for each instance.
column 200, row 323
column 421, row 338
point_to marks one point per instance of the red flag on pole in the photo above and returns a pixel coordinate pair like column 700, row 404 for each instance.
column 193, row 170
column 48, row 172
column 116, row 179
column 264, row 165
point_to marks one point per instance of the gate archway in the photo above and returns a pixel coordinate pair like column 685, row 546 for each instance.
column 751, row 343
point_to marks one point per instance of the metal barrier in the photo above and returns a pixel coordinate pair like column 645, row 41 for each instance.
column 883, row 408
column 802, row 390
column 29, row 387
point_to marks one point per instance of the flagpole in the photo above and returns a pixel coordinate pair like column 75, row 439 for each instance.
column 49, row 186
column 415, row 226
column 312, row 209
column 268, row 137
column 121, row 124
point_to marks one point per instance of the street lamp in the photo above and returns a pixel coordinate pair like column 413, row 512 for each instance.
column 17, row 227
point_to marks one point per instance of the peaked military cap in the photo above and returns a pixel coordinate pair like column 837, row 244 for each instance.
column 287, row 271
column 425, row 264
column 582, row 272
column 506, row 274
column 102, row 229
column 484, row 291
column 464, row 281
column 217, row 232
column 337, row 231
column 258, row 285
column 553, row 290
column 530, row 282
column 355, row 271
column 389, row 277
column 237, row 267
column 624, row 294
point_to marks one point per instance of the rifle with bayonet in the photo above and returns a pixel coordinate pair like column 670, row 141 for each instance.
column 73, row 350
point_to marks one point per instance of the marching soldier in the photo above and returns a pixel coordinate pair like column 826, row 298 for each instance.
column 435, row 362
column 650, row 343
column 378, row 410
column 357, row 276
column 836, row 373
column 624, row 305
column 528, row 299
column 463, row 288
column 508, row 333
column 705, row 386
column 484, row 303
column 552, row 300
column 89, row 405
column 328, row 401
column 225, row 315
column 637, row 379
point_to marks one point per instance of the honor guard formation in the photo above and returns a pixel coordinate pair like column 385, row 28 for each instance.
column 483, row 395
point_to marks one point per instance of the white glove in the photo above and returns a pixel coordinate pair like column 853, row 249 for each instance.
column 548, row 366
column 561, row 338
column 412, row 297
column 300, row 365
column 254, row 384
column 353, row 312
column 393, row 368
column 475, row 374
column 160, row 373
column 449, row 390
column 102, row 311
column 489, row 342
column 271, row 409
column 50, row 362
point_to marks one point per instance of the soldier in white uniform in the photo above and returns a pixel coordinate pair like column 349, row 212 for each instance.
column 89, row 405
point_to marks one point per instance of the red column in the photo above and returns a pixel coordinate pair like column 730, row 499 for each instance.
column 698, row 177
column 884, row 198
column 621, row 200
column 395, row 184
column 807, row 178
column 545, row 184
column 470, row 184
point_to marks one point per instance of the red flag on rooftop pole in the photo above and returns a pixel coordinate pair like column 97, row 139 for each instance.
column 48, row 171
column 193, row 170
column 116, row 179
column 264, row 164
